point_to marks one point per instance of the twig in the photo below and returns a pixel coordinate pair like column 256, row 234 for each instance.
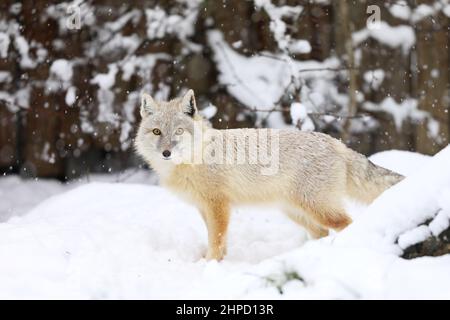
column 311, row 69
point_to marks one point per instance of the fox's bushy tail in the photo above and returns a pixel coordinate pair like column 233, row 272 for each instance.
column 365, row 180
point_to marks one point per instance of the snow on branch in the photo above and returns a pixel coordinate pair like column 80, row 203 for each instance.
column 395, row 37
column 279, row 27
column 406, row 110
column 261, row 81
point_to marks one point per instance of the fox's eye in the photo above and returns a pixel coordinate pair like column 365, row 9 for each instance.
column 179, row 131
column 156, row 132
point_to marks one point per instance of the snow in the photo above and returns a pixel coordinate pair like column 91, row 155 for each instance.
column 5, row 76
column 142, row 64
column 70, row 258
column 260, row 86
column 299, row 116
column 446, row 10
column 19, row 99
column 71, row 96
column 407, row 109
column 106, row 80
column 399, row 111
column 278, row 26
column 24, row 49
column 298, row 112
column 5, row 96
column 19, row 196
column 422, row 11
column 4, row 44
column 441, row 222
column 129, row 66
column 107, row 239
column 300, row 46
column 118, row 42
column 159, row 23
column 401, row 36
column 105, row 95
column 423, row 278
column 62, row 69
column 403, row 162
column 414, row 236
column 400, row 10
column 374, row 78
column 133, row 15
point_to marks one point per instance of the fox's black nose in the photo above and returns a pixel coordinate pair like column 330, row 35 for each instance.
column 166, row 153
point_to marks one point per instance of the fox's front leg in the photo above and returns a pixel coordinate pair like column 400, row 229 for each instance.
column 217, row 217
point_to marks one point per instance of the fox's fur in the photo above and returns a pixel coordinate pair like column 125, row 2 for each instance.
column 316, row 173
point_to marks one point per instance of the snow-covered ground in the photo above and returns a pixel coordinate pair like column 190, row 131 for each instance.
column 122, row 237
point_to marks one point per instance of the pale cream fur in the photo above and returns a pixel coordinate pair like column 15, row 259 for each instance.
column 316, row 173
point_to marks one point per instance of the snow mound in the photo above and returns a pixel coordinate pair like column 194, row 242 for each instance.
column 105, row 240
column 403, row 207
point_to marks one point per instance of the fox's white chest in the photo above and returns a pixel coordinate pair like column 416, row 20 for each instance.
column 181, row 183
column 163, row 168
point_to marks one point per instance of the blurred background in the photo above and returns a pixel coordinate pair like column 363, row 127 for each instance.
column 373, row 73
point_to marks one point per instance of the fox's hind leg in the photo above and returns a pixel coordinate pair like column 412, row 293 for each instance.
column 329, row 214
column 314, row 229
column 216, row 216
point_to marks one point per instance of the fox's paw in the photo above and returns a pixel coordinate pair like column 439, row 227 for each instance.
column 215, row 255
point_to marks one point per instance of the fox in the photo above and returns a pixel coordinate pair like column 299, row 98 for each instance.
column 313, row 176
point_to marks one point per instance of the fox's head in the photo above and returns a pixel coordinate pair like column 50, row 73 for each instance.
column 167, row 127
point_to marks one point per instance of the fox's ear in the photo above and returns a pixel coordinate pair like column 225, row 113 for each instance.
column 148, row 105
column 188, row 103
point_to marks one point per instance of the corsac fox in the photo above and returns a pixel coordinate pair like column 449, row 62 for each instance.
column 308, row 174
